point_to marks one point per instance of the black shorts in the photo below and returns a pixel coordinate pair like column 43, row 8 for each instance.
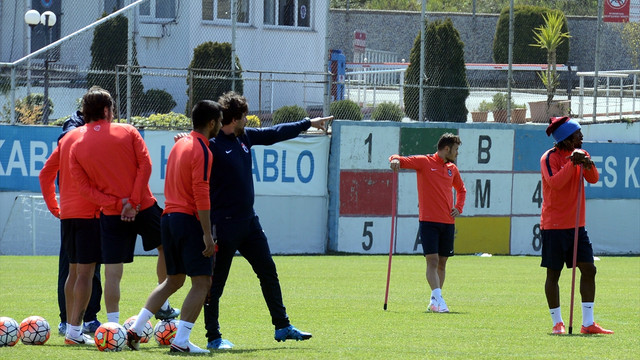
column 119, row 237
column 557, row 248
column 183, row 246
column 81, row 239
column 437, row 238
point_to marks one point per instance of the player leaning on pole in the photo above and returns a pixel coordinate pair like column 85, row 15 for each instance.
column 437, row 175
column 561, row 184
column 111, row 165
column 91, row 322
column 80, row 236
column 232, row 213
column 186, row 228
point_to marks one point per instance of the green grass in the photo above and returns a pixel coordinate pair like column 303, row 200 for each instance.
column 498, row 309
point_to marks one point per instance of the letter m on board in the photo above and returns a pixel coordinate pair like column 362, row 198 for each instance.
column 482, row 196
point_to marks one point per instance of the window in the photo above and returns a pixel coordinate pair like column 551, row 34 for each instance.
column 113, row 5
column 222, row 10
column 159, row 9
column 287, row 12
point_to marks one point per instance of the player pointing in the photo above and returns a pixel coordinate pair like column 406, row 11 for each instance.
column 437, row 175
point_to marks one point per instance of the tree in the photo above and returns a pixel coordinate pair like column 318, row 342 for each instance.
column 211, row 67
column 527, row 19
column 109, row 49
column 549, row 37
column 631, row 36
column 445, row 88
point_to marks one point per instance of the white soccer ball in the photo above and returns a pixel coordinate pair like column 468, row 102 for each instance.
column 9, row 331
column 147, row 332
column 34, row 330
column 110, row 337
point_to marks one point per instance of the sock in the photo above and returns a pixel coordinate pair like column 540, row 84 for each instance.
column 556, row 316
column 74, row 331
column 436, row 293
column 587, row 314
column 114, row 317
column 143, row 316
column 183, row 333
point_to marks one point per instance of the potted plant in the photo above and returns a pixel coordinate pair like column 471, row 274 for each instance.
column 548, row 37
column 499, row 107
column 482, row 112
column 518, row 113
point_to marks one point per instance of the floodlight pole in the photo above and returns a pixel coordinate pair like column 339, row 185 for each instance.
column 45, row 110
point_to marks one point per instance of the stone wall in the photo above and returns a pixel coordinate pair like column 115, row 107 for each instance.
column 396, row 31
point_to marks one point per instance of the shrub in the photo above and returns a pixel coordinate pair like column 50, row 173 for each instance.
column 156, row 101
column 387, row 111
column 485, row 106
column 446, row 88
column 163, row 121
column 287, row 114
column 108, row 49
column 527, row 19
column 28, row 110
column 253, row 121
column 345, row 110
column 215, row 58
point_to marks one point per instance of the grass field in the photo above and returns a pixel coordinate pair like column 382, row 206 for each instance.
column 498, row 310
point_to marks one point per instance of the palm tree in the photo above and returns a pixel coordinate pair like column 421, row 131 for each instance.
column 548, row 37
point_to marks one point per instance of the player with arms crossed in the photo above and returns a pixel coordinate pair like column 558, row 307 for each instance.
column 111, row 166
column 437, row 175
column 186, row 228
column 237, row 224
column 561, row 182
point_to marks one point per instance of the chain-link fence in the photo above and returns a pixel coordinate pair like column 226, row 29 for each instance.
column 160, row 57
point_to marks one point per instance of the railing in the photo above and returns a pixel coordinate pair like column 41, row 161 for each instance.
column 621, row 75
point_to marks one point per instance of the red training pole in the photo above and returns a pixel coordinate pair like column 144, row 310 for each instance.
column 394, row 195
column 575, row 249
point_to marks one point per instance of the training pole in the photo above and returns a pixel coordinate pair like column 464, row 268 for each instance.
column 575, row 250
column 394, row 195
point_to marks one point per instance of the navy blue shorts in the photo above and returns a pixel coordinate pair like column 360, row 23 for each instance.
column 81, row 239
column 557, row 248
column 119, row 237
column 437, row 238
column 183, row 246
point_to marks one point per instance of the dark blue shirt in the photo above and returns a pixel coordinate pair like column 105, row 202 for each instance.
column 231, row 189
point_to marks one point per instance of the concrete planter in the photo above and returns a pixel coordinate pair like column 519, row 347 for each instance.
column 479, row 116
column 499, row 116
column 518, row 116
column 539, row 113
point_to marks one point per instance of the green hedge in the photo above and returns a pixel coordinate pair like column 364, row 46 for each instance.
column 287, row 114
column 446, row 88
column 526, row 19
column 345, row 110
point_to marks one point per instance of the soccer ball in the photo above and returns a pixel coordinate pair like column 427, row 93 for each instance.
column 110, row 337
column 146, row 332
column 9, row 331
column 34, row 330
column 165, row 331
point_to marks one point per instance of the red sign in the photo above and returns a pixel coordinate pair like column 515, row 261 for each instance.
column 359, row 41
column 616, row 10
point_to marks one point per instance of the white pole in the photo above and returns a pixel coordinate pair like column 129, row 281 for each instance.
column 423, row 34
column 234, row 15
column 510, row 56
column 597, row 58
